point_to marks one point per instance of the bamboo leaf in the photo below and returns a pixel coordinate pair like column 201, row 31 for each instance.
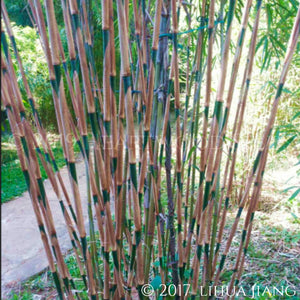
column 156, row 282
column 296, row 217
column 295, row 194
column 191, row 152
column 269, row 16
column 276, row 134
column 289, row 188
column 196, row 168
column 272, row 84
column 297, row 115
column 229, row 139
column 286, row 144
column 259, row 44
column 286, row 90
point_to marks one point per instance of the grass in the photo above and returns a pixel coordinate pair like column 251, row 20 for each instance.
column 12, row 179
column 273, row 256
column 35, row 288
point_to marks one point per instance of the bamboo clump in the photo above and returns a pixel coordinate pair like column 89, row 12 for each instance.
column 163, row 211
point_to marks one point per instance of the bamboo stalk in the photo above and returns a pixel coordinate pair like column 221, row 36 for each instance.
column 130, row 173
column 221, row 135
column 215, row 127
column 125, row 72
column 258, row 162
column 200, row 237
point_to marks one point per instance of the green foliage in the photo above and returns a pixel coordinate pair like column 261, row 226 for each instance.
column 35, row 68
column 17, row 12
column 289, row 133
column 273, row 36
column 12, row 179
column 156, row 282
column 22, row 295
column 8, row 148
column 296, row 189
column 34, row 288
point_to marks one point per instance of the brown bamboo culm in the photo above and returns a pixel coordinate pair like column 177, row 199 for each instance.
column 142, row 150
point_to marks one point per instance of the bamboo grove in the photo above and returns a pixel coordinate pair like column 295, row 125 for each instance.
column 159, row 186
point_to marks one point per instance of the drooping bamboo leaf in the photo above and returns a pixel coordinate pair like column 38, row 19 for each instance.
column 289, row 188
column 297, row 115
column 294, row 195
column 286, row 144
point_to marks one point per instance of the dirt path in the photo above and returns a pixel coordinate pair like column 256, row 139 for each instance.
column 23, row 253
